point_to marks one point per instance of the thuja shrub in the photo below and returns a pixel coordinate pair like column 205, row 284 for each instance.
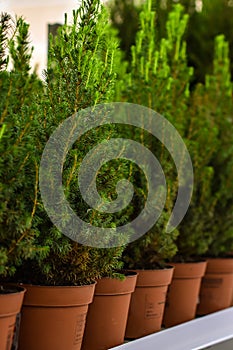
column 19, row 163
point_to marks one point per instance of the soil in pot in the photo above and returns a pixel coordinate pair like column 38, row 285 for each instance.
column 54, row 317
column 217, row 286
column 107, row 315
column 11, row 299
column 147, row 302
column 183, row 293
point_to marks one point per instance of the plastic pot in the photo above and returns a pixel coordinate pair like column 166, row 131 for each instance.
column 54, row 317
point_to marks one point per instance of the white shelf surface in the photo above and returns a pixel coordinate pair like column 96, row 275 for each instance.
column 214, row 331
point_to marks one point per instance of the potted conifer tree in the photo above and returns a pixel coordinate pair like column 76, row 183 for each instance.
column 217, row 285
column 170, row 65
column 18, row 189
column 206, row 113
column 59, row 273
column 199, row 232
column 159, row 79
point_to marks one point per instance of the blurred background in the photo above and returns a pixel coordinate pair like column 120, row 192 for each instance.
column 41, row 15
column 208, row 18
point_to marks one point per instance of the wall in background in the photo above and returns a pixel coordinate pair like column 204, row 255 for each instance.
column 40, row 13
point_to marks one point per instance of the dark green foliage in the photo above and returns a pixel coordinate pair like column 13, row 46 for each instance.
column 159, row 77
column 19, row 162
column 81, row 73
column 207, row 228
column 220, row 89
column 214, row 19
column 125, row 18
column 85, row 68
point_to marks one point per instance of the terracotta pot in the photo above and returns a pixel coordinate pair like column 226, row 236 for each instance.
column 10, row 305
column 107, row 315
column 54, row 317
column 183, row 293
column 217, row 286
column 147, row 302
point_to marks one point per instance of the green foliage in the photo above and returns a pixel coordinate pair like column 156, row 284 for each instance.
column 159, row 79
column 207, row 228
column 81, row 72
column 221, row 87
column 202, row 28
column 19, row 161
column 125, row 18
column 85, row 68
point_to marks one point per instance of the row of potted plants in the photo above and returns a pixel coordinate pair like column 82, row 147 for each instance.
column 157, row 74
column 85, row 68
column 102, row 316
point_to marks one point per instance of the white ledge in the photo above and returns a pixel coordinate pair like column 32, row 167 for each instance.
column 207, row 331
